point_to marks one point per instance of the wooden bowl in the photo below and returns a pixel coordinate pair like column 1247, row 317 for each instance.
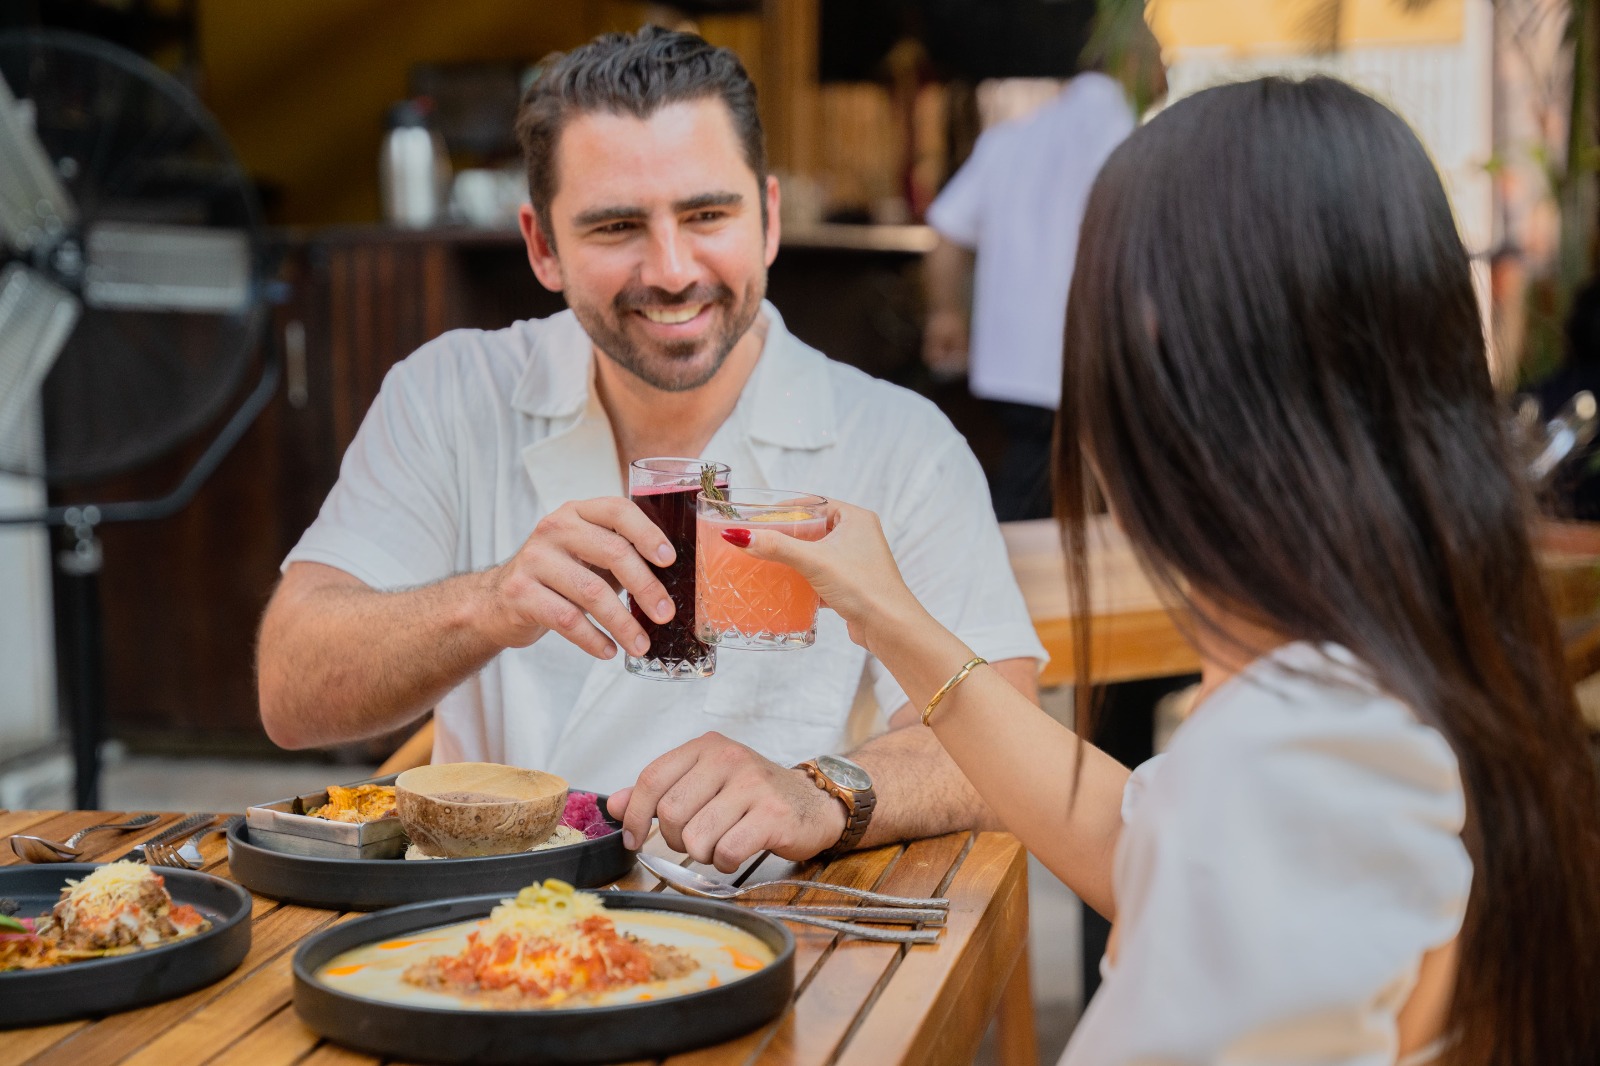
column 468, row 809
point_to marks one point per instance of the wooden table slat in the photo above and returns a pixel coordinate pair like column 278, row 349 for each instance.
column 112, row 1039
column 836, row 976
column 333, row 1055
column 281, row 1040
column 20, row 822
column 848, row 979
column 933, row 1013
column 19, row 1045
column 231, row 1015
column 60, row 825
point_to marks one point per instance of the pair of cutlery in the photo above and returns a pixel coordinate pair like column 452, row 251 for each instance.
column 187, row 854
column 41, row 849
column 881, row 907
column 150, row 851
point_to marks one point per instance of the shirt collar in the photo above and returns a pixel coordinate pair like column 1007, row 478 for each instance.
column 555, row 381
column 788, row 401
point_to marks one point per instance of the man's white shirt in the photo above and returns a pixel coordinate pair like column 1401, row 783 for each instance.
column 478, row 435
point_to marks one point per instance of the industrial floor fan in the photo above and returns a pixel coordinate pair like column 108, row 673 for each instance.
column 133, row 280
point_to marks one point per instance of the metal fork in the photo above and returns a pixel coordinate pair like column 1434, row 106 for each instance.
column 165, row 855
column 186, row 855
column 146, row 852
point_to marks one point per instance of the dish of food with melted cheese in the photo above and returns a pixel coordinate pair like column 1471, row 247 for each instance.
column 550, row 947
column 119, row 908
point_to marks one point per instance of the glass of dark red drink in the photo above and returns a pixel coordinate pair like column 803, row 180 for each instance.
column 665, row 490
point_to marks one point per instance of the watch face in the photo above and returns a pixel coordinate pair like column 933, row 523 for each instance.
column 844, row 772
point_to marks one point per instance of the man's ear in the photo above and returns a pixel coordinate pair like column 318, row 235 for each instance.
column 541, row 252
column 774, row 228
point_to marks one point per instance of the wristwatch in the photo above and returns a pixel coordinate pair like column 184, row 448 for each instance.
column 848, row 783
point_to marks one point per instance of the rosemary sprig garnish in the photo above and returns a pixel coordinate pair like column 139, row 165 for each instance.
column 718, row 498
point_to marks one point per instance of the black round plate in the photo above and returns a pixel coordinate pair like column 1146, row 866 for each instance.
column 576, row 1035
column 373, row 884
column 103, row 986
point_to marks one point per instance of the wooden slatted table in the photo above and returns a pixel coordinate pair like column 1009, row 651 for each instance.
column 856, row 1003
column 1133, row 637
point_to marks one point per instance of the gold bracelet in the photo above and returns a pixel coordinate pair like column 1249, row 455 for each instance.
column 960, row 676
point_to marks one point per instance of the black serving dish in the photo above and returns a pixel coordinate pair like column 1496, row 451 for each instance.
column 575, row 1035
column 104, row 986
column 373, row 884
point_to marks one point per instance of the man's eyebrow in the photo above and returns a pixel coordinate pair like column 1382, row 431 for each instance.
column 599, row 216
column 709, row 199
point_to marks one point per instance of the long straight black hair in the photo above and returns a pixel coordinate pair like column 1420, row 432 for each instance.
column 1275, row 371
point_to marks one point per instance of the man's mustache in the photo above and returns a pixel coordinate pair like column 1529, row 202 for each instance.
column 638, row 298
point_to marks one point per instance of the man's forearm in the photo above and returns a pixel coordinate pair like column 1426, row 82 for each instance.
column 947, row 277
column 921, row 791
column 339, row 661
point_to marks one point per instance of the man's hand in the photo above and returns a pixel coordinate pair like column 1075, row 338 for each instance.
column 566, row 571
column 720, row 803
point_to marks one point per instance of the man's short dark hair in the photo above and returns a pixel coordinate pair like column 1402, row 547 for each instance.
column 631, row 74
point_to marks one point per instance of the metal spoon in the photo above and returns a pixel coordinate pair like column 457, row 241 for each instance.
column 38, row 849
column 691, row 883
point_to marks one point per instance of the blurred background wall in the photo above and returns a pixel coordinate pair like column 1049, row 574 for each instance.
column 301, row 86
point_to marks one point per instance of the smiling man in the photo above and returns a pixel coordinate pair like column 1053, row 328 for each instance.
column 469, row 557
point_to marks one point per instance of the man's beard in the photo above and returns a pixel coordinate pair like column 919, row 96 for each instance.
column 672, row 366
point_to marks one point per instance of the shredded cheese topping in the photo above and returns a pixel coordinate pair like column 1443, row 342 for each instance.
column 552, row 910
column 112, row 884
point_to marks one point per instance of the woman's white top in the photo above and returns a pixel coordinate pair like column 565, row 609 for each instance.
column 1282, row 870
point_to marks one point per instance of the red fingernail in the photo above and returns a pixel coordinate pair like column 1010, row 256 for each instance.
column 739, row 538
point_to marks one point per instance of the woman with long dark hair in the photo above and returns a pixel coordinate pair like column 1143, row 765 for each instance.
column 1375, row 840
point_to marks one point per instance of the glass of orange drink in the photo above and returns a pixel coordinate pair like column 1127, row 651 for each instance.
column 745, row 602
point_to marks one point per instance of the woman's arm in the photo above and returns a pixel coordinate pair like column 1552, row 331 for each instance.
column 1020, row 760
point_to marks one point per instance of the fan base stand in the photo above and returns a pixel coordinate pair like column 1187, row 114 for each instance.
column 79, row 568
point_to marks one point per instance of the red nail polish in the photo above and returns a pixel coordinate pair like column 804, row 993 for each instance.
column 739, row 538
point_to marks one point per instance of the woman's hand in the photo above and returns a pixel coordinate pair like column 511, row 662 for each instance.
column 851, row 568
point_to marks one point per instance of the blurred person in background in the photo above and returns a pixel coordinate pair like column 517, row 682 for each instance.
column 1376, row 840
column 997, row 279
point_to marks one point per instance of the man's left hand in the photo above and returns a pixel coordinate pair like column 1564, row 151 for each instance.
column 720, row 803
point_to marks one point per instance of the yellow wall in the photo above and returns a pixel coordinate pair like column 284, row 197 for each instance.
column 1265, row 25
column 301, row 87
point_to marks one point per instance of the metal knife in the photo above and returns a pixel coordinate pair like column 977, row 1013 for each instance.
column 870, row 932
column 898, row 915
column 172, row 832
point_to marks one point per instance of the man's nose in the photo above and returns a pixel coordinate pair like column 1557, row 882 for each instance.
column 670, row 263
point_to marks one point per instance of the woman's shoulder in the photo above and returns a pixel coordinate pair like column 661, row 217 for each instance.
column 1317, row 696
column 1306, row 731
